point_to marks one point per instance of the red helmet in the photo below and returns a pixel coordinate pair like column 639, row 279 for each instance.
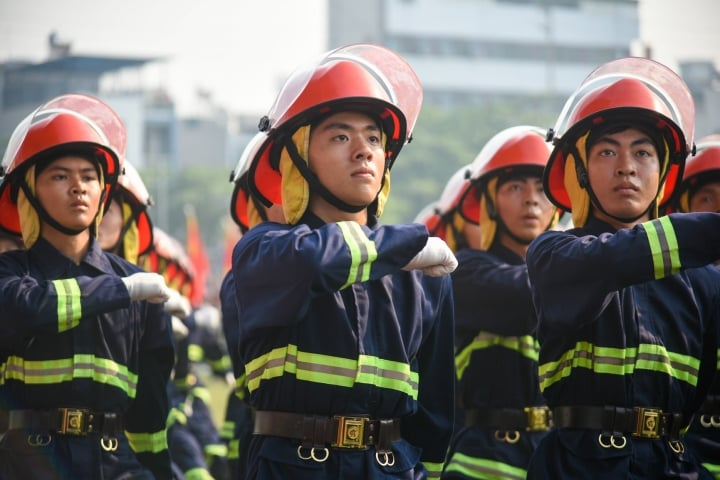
column 705, row 165
column 430, row 217
column 362, row 76
column 168, row 258
column 519, row 148
column 241, row 194
column 632, row 90
column 44, row 132
column 137, row 195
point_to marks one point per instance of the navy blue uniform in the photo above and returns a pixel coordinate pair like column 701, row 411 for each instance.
column 496, row 361
column 626, row 318
column 237, row 427
column 331, row 325
column 73, row 338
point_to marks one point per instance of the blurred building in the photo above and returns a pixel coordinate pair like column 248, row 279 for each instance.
column 469, row 51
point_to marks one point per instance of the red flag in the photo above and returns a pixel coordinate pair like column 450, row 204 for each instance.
column 198, row 256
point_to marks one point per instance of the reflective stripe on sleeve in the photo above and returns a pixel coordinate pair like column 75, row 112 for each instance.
column 362, row 252
column 663, row 247
column 69, row 307
column 330, row 370
column 620, row 361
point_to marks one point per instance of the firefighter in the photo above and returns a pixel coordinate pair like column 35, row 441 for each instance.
column 699, row 191
column 246, row 212
column 85, row 353
column 627, row 299
column 345, row 325
column 496, row 217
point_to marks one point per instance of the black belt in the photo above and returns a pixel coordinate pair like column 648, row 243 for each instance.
column 339, row 431
column 639, row 422
column 67, row 421
column 530, row 419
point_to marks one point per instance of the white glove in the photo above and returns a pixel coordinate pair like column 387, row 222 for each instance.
column 208, row 317
column 180, row 331
column 177, row 304
column 435, row 259
column 147, row 286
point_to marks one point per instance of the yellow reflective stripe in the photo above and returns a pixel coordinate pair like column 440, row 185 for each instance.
column 197, row 473
column 227, row 429
column 362, row 252
column 195, row 353
column 233, row 450
column 147, row 442
column 202, row 393
column 525, row 345
column 620, row 361
column 215, row 450
column 240, row 384
column 473, row 467
column 176, row 415
column 81, row 366
column 663, row 247
column 69, row 307
column 331, row 370
column 434, row 469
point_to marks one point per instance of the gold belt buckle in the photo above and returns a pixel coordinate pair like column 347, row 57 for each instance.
column 538, row 419
column 350, row 432
column 648, row 422
column 73, row 421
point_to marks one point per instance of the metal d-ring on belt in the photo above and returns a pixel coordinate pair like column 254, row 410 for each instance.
column 615, row 423
column 709, row 413
column 510, row 422
column 67, row 421
column 317, row 434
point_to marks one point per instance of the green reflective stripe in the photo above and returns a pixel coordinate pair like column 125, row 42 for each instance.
column 175, row 416
column 620, row 361
column 718, row 359
column 362, row 252
column 81, row 366
column 147, row 442
column 216, row 449
column 713, row 468
column 434, row 469
column 525, row 345
column 473, row 467
column 195, row 353
column 227, row 429
column 197, row 473
column 202, row 393
column 663, row 246
column 240, row 384
column 233, row 450
column 69, row 307
column 331, row 370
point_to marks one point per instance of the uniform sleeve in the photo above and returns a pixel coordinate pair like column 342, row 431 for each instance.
column 431, row 426
column 145, row 421
column 31, row 306
column 498, row 289
column 574, row 275
column 277, row 268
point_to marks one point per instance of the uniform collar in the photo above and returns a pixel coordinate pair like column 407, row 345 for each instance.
column 54, row 264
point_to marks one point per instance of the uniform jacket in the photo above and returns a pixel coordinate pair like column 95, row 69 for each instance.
column 73, row 338
column 626, row 318
column 330, row 324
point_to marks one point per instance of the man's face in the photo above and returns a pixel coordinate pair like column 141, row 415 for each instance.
column 706, row 198
column 523, row 207
column 111, row 226
column 624, row 173
column 69, row 189
column 347, row 155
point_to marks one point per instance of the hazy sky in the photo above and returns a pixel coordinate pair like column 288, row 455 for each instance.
column 242, row 50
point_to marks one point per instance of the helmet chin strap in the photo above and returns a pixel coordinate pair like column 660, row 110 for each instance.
column 318, row 187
